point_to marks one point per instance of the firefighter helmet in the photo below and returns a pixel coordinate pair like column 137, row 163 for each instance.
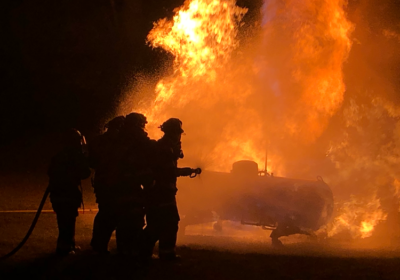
column 116, row 123
column 172, row 125
column 136, row 119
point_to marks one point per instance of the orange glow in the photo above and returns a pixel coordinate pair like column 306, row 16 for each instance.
column 358, row 217
column 366, row 228
column 201, row 36
column 319, row 44
column 217, row 87
column 274, row 93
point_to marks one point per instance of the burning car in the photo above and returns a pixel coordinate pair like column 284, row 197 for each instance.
column 284, row 205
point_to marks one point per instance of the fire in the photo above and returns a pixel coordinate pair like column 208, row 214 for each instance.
column 314, row 40
column 366, row 228
column 220, row 91
column 358, row 218
column 201, row 36
column 274, row 93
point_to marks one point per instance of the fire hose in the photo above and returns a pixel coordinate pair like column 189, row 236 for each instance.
column 39, row 210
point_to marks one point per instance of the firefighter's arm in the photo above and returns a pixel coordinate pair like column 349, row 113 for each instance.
column 187, row 171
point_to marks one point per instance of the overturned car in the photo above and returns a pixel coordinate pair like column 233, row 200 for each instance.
column 284, row 205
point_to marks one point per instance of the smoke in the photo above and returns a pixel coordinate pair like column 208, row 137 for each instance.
column 310, row 93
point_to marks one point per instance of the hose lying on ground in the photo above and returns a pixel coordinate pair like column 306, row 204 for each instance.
column 46, row 193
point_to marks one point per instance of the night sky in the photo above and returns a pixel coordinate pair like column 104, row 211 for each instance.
column 66, row 62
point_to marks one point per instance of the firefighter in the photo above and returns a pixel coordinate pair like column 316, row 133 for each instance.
column 136, row 148
column 65, row 172
column 162, row 215
column 103, row 157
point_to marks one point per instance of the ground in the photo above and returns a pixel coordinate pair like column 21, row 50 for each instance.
column 236, row 252
column 222, row 256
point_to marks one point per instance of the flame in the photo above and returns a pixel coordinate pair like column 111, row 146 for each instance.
column 201, row 36
column 372, row 164
column 314, row 40
column 220, row 90
column 275, row 92
column 358, row 217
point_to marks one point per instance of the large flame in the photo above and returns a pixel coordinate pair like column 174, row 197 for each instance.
column 310, row 41
column 202, row 36
column 225, row 94
column 276, row 93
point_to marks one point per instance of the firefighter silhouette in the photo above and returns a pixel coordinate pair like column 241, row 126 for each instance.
column 162, row 215
column 121, row 170
column 65, row 172
column 103, row 157
column 136, row 148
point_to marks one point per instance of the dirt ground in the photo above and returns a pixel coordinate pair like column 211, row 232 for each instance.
column 236, row 252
